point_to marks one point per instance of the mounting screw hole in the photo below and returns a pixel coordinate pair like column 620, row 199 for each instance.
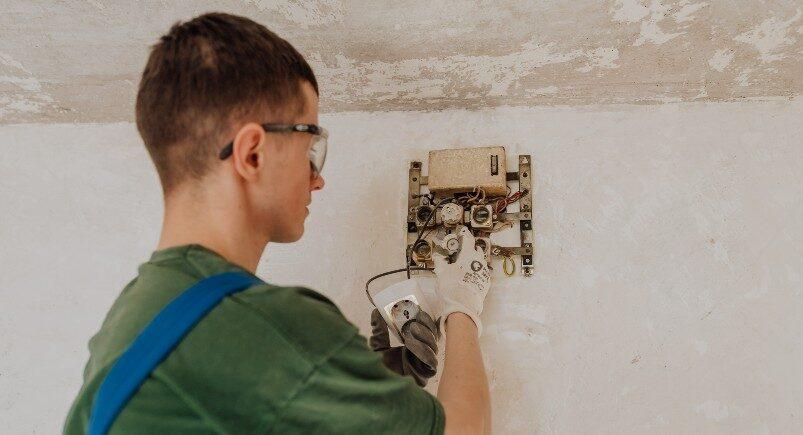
column 415, row 179
column 524, row 174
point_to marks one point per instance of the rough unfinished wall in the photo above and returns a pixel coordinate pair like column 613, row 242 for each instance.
column 667, row 293
column 80, row 61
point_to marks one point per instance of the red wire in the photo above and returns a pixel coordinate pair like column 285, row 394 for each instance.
column 502, row 203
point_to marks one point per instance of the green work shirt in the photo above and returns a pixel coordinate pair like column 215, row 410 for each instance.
column 266, row 360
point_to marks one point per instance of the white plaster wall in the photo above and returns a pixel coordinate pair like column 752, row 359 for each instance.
column 667, row 293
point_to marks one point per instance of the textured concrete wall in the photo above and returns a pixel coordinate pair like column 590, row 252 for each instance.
column 81, row 60
column 667, row 293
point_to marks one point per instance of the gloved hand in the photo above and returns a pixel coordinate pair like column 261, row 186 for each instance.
column 417, row 358
column 464, row 283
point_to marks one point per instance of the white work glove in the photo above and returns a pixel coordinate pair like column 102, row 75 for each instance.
column 463, row 284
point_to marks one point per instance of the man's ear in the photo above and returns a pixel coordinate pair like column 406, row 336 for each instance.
column 248, row 153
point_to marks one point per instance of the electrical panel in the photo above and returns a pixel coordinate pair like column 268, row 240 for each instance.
column 470, row 186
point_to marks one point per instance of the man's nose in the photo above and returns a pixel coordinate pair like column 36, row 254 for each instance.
column 317, row 181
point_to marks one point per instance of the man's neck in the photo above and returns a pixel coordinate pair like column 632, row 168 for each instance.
column 190, row 219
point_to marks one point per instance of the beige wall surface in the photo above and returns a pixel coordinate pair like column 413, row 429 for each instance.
column 667, row 288
column 80, row 60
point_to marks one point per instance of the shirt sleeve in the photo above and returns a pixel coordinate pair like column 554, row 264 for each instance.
column 353, row 392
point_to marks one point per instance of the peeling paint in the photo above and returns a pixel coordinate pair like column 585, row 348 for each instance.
column 721, row 59
column 496, row 74
column 7, row 61
column 19, row 93
column 304, row 12
column 770, row 37
column 742, row 78
column 686, row 13
column 630, row 11
column 414, row 55
column 650, row 29
column 603, row 57
column 27, row 84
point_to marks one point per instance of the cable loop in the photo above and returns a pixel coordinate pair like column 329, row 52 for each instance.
column 505, row 261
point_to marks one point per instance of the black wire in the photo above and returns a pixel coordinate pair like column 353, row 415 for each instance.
column 390, row 272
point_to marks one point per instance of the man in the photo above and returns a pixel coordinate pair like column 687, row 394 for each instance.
column 228, row 112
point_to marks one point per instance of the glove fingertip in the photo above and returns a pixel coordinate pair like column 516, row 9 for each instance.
column 423, row 334
column 425, row 318
column 377, row 321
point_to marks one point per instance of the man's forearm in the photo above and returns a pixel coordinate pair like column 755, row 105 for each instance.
column 463, row 389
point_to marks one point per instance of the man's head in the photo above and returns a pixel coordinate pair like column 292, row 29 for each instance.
column 216, row 79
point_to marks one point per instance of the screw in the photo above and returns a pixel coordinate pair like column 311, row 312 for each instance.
column 452, row 245
column 524, row 160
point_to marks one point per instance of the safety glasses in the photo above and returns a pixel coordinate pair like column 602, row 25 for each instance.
column 317, row 150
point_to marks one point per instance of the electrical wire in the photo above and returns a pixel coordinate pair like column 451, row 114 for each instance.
column 476, row 197
column 430, row 197
column 479, row 198
column 499, row 226
column 502, row 203
column 505, row 261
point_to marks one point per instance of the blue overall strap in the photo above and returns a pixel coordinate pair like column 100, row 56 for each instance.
column 156, row 341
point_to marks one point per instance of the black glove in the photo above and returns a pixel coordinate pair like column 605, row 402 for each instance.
column 417, row 358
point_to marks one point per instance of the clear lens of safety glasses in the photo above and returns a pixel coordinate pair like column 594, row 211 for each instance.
column 317, row 151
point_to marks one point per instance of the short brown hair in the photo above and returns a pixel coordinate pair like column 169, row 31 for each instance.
column 202, row 76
